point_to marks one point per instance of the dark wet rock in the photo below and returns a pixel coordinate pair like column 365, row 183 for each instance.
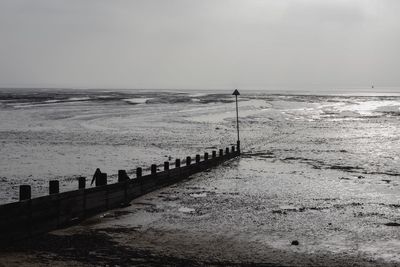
column 318, row 208
column 295, row 243
column 264, row 155
column 345, row 205
column 392, row 224
column 390, row 205
column 386, row 180
column 326, row 199
column 279, row 212
column 294, row 209
column 361, row 177
column 385, row 173
column 344, row 168
column 369, row 214
column 292, row 158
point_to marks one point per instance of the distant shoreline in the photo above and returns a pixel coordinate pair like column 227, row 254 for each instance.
column 355, row 91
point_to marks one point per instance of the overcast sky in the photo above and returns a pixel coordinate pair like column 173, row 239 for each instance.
column 207, row 44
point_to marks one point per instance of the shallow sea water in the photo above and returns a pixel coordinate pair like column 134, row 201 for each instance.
column 320, row 169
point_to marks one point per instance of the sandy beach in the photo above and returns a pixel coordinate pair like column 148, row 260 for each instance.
column 218, row 219
column 319, row 170
column 200, row 133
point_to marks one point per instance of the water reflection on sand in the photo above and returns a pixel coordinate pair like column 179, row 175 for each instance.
column 322, row 170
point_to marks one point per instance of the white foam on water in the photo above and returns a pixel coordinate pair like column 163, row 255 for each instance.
column 368, row 108
column 78, row 98
column 198, row 195
column 197, row 95
column 186, row 210
column 24, row 105
column 137, row 100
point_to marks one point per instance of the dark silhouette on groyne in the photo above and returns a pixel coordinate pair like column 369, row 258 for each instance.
column 33, row 216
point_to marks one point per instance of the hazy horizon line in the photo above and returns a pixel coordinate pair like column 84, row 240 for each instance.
column 272, row 88
column 356, row 91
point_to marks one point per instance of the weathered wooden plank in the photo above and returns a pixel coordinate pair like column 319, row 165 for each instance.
column 13, row 222
column 162, row 178
column 44, row 207
column 193, row 169
column 134, row 190
column 202, row 166
column 96, row 200
column 96, row 189
column 15, row 231
column 117, row 187
column 174, row 175
column 162, row 173
column 70, row 194
column 214, row 161
column 117, row 194
column 174, row 172
column 44, row 215
column 14, row 209
column 148, row 183
column 49, row 211
column 184, row 172
column 71, row 208
column 116, row 199
column 39, row 215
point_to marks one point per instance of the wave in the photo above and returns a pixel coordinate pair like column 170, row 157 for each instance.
column 78, row 98
column 31, row 98
column 136, row 101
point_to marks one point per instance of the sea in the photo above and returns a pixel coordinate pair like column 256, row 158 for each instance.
column 318, row 166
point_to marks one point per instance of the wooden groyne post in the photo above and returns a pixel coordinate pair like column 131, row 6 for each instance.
column 32, row 216
column 24, row 192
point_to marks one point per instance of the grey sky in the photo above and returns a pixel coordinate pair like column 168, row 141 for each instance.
column 199, row 43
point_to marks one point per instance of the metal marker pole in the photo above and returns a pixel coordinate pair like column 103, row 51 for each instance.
column 236, row 93
column 237, row 118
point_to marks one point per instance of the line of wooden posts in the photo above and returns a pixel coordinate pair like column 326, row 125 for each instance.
column 31, row 216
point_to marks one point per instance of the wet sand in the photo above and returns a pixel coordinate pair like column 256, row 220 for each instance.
column 320, row 170
column 223, row 218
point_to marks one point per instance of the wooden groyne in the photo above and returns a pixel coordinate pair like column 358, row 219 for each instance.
column 33, row 216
